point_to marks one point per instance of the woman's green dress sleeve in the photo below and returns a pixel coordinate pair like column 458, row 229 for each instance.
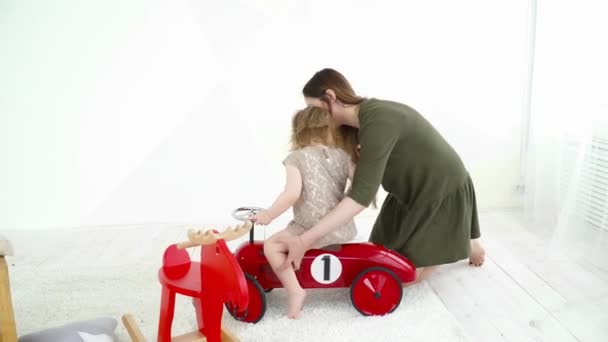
column 377, row 138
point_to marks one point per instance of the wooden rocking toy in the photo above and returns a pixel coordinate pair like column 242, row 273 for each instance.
column 8, row 331
column 216, row 280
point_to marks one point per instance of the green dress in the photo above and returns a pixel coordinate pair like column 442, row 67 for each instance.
column 430, row 213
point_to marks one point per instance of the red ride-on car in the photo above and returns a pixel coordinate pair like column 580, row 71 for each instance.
column 374, row 274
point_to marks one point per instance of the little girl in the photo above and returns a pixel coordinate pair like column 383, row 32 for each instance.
column 317, row 172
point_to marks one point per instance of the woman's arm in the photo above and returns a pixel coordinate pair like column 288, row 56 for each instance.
column 346, row 210
column 351, row 170
column 377, row 143
column 377, row 139
column 285, row 200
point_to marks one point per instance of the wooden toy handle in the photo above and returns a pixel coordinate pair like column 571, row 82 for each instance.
column 199, row 238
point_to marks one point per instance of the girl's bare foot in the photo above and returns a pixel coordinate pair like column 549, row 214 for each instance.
column 478, row 254
column 295, row 302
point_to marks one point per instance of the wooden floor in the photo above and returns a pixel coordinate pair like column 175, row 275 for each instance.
column 525, row 291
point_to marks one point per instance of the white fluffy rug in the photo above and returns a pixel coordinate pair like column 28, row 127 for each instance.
column 68, row 276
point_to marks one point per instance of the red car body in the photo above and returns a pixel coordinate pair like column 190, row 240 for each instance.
column 374, row 274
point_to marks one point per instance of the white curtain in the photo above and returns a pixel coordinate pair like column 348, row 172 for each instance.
column 567, row 156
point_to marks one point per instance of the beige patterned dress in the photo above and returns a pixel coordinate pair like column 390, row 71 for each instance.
column 324, row 172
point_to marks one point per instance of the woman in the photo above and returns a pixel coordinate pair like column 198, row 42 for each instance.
column 430, row 213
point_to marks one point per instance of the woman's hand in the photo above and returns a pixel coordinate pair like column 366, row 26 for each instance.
column 295, row 251
column 263, row 218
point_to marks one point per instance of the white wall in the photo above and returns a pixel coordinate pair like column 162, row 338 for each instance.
column 118, row 112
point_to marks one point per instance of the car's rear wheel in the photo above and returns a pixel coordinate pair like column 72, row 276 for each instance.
column 256, row 308
column 376, row 291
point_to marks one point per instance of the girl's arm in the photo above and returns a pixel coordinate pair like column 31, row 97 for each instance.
column 285, row 200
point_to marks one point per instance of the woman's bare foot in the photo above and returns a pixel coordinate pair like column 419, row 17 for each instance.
column 478, row 254
column 296, row 300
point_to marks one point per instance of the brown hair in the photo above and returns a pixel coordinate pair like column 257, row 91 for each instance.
column 331, row 79
column 347, row 136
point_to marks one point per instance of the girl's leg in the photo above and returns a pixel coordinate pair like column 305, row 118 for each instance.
column 276, row 253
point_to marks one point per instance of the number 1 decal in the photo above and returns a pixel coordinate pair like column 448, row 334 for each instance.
column 326, row 268
column 326, row 264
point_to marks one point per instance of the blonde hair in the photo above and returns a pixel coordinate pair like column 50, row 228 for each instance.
column 310, row 126
column 314, row 125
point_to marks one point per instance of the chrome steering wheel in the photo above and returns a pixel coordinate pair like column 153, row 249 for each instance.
column 244, row 213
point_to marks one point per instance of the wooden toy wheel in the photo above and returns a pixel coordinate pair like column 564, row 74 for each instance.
column 376, row 291
column 257, row 303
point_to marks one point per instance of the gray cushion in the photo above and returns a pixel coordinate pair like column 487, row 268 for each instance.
column 5, row 246
column 101, row 329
